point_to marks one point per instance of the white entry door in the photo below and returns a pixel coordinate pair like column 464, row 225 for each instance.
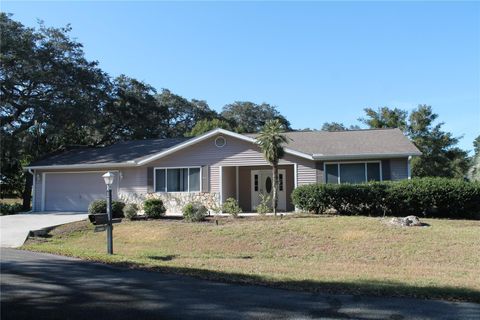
column 262, row 183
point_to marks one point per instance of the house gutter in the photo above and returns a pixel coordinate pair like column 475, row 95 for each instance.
column 364, row 156
column 84, row 166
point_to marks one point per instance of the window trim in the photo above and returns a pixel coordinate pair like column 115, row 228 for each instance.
column 166, row 175
column 338, row 163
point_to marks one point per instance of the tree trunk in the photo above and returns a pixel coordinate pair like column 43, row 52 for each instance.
column 27, row 191
column 275, row 188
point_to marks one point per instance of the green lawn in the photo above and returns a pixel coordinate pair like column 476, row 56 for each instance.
column 315, row 253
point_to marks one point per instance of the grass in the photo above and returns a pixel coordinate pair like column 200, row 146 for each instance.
column 11, row 200
column 358, row 255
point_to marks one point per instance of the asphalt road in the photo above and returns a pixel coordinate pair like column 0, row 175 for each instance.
column 43, row 286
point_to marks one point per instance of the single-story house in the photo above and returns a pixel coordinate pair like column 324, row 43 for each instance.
column 215, row 166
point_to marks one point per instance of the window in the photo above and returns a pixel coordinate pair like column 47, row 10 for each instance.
column 160, row 180
column 177, row 180
column 373, row 171
column 354, row 172
column 280, row 182
column 331, row 173
column 194, row 179
column 255, row 182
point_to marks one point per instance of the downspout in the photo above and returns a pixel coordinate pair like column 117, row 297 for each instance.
column 409, row 168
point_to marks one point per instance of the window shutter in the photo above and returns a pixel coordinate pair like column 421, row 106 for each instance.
column 205, row 179
column 150, row 187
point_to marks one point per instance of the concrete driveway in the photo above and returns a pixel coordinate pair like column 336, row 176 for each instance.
column 14, row 229
column 45, row 286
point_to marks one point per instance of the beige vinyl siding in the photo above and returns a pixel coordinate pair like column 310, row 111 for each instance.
column 214, row 179
column 134, row 180
column 235, row 153
column 399, row 169
column 306, row 173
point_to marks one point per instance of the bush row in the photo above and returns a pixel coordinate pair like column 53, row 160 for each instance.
column 428, row 197
column 154, row 209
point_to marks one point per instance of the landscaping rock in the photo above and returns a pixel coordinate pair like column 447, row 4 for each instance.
column 410, row 221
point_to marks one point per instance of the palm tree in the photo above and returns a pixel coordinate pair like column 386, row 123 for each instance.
column 271, row 141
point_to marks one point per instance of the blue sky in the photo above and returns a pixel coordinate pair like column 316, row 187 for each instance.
column 317, row 62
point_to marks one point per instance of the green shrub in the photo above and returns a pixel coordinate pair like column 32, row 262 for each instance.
column 312, row 198
column 130, row 211
column 194, row 212
column 154, row 208
column 231, row 207
column 264, row 207
column 100, row 206
column 430, row 197
column 8, row 209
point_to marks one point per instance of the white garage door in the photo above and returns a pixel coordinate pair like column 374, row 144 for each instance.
column 74, row 191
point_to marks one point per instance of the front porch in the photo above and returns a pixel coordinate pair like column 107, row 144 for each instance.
column 246, row 184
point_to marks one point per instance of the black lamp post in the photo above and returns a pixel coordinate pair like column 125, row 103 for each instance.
column 109, row 177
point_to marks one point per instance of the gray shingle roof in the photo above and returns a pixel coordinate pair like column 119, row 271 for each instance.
column 353, row 142
column 322, row 143
column 117, row 153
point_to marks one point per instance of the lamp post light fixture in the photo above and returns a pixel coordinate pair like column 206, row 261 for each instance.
column 109, row 178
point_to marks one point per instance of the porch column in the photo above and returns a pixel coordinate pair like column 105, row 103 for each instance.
column 295, row 181
column 237, row 184
column 295, row 175
column 220, row 177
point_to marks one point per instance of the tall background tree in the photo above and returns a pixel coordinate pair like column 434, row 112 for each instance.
column 51, row 96
column 206, row 125
column 249, row 117
column 336, row 126
column 440, row 155
column 271, row 141
column 385, row 118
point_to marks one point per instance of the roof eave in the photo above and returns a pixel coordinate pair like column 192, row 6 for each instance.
column 365, row 156
column 84, row 166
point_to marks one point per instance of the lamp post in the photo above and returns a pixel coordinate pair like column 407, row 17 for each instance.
column 109, row 177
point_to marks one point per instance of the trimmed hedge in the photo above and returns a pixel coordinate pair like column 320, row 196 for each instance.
column 428, row 197
column 100, row 206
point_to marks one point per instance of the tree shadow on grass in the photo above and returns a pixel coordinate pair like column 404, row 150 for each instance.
column 168, row 257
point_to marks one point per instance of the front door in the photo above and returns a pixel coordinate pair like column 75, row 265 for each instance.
column 262, row 184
